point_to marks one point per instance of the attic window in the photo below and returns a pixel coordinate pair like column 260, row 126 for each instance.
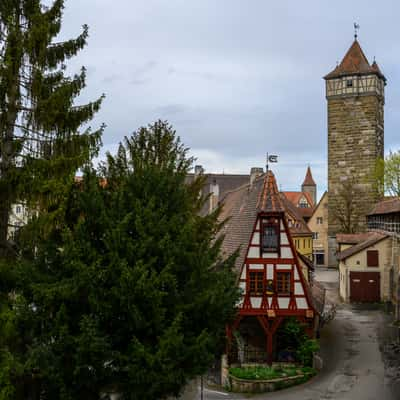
column 303, row 203
column 349, row 83
column 270, row 237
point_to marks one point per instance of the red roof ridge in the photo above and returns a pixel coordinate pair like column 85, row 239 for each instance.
column 269, row 199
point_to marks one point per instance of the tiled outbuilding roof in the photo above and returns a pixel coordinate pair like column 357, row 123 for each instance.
column 352, row 238
column 386, row 206
column 373, row 238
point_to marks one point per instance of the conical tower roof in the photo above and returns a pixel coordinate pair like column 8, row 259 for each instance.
column 308, row 180
column 354, row 63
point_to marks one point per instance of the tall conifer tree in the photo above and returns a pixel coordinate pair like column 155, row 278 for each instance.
column 40, row 142
column 130, row 294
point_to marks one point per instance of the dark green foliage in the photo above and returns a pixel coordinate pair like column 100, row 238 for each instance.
column 40, row 142
column 266, row 373
column 128, row 293
column 292, row 336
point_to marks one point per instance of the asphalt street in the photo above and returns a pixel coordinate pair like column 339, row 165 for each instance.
column 356, row 365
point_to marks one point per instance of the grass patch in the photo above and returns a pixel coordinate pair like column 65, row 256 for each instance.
column 267, row 373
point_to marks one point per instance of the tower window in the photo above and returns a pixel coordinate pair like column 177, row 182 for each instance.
column 349, row 83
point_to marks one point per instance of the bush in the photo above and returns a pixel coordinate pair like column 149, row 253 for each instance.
column 267, row 373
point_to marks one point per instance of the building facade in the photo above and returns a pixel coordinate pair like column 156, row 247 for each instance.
column 355, row 96
column 365, row 269
column 271, row 277
column 318, row 225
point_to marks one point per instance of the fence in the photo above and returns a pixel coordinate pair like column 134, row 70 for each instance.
column 385, row 226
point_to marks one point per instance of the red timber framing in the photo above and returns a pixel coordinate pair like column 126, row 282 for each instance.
column 277, row 300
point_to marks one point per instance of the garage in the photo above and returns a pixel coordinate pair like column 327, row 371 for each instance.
column 365, row 287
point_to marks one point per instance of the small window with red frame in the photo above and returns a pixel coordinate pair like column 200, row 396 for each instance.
column 283, row 282
column 256, row 282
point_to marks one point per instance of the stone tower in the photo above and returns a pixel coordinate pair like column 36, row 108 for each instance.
column 310, row 186
column 355, row 95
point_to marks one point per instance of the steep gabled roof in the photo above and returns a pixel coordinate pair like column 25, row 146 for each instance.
column 374, row 238
column 241, row 208
column 269, row 199
column 308, row 180
column 354, row 63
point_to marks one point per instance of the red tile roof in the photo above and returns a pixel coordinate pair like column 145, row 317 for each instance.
column 373, row 238
column 386, row 206
column 295, row 197
column 308, row 180
column 269, row 199
column 352, row 238
column 354, row 63
column 299, row 227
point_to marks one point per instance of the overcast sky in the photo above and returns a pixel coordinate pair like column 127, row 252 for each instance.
column 236, row 78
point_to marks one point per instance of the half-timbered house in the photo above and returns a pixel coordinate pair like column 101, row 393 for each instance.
column 273, row 287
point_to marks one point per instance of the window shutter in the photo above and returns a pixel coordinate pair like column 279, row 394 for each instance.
column 372, row 258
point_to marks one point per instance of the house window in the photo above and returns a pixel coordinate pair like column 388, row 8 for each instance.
column 349, row 83
column 319, row 220
column 372, row 258
column 270, row 238
column 283, row 282
column 18, row 209
column 256, row 282
column 315, row 235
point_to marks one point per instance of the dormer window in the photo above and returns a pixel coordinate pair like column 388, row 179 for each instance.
column 303, row 203
column 270, row 237
column 349, row 83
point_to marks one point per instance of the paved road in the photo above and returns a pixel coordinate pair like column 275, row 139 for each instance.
column 354, row 361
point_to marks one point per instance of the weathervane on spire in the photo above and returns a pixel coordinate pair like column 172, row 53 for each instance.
column 356, row 28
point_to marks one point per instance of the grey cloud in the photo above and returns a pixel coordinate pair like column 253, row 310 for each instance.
column 235, row 78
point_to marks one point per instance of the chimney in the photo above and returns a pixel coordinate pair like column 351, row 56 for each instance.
column 255, row 172
column 198, row 170
column 214, row 198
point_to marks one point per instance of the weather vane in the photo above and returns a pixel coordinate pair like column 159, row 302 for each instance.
column 271, row 158
column 356, row 28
